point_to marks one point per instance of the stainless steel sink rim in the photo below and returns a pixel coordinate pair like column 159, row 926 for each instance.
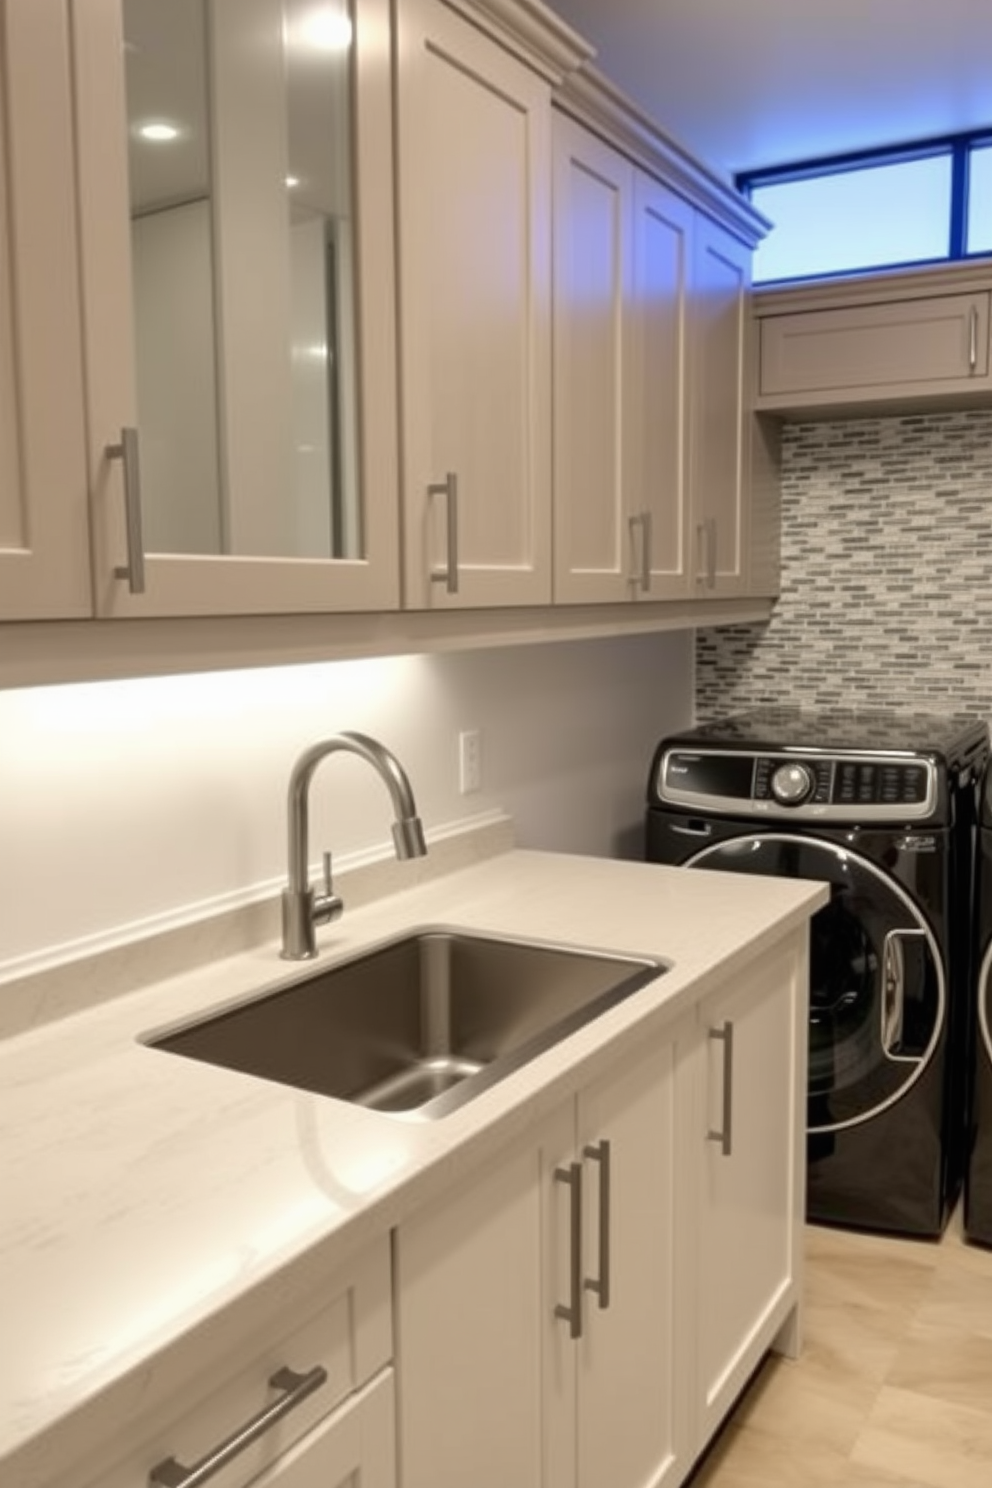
column 463, row 1010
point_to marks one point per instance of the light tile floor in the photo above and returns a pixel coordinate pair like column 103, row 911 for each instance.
column 894, row 1386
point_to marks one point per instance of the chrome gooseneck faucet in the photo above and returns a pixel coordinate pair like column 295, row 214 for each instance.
column 302, row 909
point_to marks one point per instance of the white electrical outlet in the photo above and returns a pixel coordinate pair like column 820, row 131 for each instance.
column 469, row 761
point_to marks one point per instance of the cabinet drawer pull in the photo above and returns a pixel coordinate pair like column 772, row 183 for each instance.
column 127, row 453
column 572, row 1314
column 448, row 575
column 294, row 1387
column 600, row 1153
column 725, row 1134
column 972, row 339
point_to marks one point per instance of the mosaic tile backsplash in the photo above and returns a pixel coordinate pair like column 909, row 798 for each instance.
column 886, row 574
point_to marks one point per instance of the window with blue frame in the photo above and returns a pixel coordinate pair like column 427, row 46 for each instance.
column 923, row 204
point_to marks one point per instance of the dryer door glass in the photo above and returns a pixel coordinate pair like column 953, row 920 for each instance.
column 877, row 995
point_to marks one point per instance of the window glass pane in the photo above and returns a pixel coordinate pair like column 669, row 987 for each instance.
column 860, row 218
column 979, row 235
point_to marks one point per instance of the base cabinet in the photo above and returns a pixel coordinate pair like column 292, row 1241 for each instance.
column 749, row 1089
column 306, row 1402
column 535, row 1308
column 587, row 1309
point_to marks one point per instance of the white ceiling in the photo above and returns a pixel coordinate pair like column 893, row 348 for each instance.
column 752, row 83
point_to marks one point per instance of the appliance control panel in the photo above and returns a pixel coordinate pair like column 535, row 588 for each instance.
column 860, row 787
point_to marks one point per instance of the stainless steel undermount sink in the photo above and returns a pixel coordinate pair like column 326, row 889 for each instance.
column 417, row 1026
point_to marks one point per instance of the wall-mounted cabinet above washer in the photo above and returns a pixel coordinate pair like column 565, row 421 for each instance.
column 890, row 343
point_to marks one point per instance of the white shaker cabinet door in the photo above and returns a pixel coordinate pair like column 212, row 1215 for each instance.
column 720, row 449
column 536, row 1330
column 593, row 251
column 474, row 163
column 44, row 532
column 630, row 1396
column 750, row 1159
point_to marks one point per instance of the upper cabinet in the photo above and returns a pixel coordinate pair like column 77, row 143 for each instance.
column 623, row 260
column 652, row 434
column 721, row 495
column 887, row 343
column 44, row 536
column 234, row 168
column 474, row 175
column 343, row 309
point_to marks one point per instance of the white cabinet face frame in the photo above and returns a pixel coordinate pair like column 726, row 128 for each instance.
column 44, row 532
column 474, row 163
column 180, row 584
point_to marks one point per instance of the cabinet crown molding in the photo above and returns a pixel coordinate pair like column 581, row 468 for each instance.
column 588, row 96
column 534, row 33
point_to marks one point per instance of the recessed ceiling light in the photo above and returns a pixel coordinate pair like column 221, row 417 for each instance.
column 158, row 131
column 292, row 181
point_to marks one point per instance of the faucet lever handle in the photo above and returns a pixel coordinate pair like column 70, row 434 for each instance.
column 327, row 906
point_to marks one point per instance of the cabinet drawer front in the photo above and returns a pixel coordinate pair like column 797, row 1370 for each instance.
column 878, row 349
column 347, row 1332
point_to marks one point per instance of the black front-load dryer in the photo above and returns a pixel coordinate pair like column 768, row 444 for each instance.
column 882, row 807
column 978, row 1179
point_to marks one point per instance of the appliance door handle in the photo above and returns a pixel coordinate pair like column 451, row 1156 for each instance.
column 600, row 1153
column 572, row 1312
column 448, row 575
column 294, row 1387
column 893, row 1008
column 703, row 830
column 724, row 1134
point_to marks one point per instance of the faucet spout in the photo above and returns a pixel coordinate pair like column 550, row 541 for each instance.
column 302, row 909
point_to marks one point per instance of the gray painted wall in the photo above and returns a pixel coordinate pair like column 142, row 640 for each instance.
column 887, row 574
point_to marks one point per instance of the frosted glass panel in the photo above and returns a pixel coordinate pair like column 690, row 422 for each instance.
column 855, row 219
column 979, row 234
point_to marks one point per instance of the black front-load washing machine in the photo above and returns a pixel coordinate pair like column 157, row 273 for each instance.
column 882, row 807
column 978, row 1177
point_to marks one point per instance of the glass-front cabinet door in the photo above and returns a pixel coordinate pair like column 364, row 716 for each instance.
column 239, row 309
column 44, row 545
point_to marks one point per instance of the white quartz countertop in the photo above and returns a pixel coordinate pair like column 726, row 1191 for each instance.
column 143, row 1193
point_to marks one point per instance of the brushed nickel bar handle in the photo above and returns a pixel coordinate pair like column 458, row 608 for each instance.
column 127, row 452
column 711, row 554
column 572, row 1313
column 643, row 577
column 705, row 566
column 295, row 1388
column 448, row 575
column 600, row 1153
column 725, row 1135
column 973, row 338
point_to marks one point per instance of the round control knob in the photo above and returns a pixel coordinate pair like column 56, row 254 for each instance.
column 791, row 784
